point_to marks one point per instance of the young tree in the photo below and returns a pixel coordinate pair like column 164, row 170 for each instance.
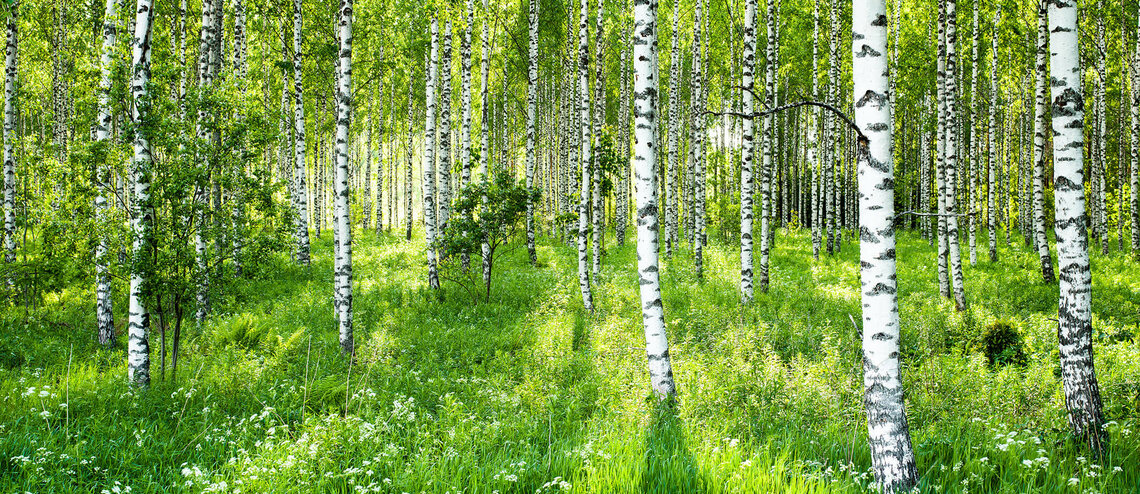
column 344, row 104
column 142, row 217
column 1039, row 142
column 531, row 104
column 892, row 457
column 301, row 201
column 992, row 167
column 697, row 143
column 951, row 173
column 766, row 186
column 1078, row 375
column 584, row 132
column 644, row 164
column 104, row 315
column 429, row 154
column 746, row 155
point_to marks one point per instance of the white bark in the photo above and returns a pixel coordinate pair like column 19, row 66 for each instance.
column 584, row 155
column 746, row 179
column 104, row 315
column 429, row 155
column 142, row 219
column 892, row 457
column 301, row 201
column 1039, row 145
column 1082, row 393
column 344, row 104
column 644, row 163
column 531, row 104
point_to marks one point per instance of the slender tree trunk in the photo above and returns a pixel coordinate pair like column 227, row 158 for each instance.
column 484, row 129
column 1082, row 393
column 408, row 172
column 142, row 217
column 697, row 143
column 766, row 179
column 971, row 178
column 429, row 155
column 531, row 104
column 892, row 458
column 672, row 217
column 598, row 215
column 443, row 155
column 301, row 201
column 954, row 250
column 813, row 160
column 992, row 167
column 104, row 315
column 344, row 105
column 583, row 95
column 1039, row 145
column 1134, row 166
column 746, row 179
column 644, row 163
column 940, row 164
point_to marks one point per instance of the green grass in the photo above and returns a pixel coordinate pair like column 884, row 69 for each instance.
column 528, row 394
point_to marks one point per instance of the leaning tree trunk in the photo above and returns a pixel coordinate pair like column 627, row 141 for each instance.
column 584, row 156
column 104, row 315
column 531, row 103
column 300, row 200
column 429, row 155
column 892, row 458
column 645, row 104
column 746, row 179
column 1082, row 393
column 1039, row 144
column 142, row 219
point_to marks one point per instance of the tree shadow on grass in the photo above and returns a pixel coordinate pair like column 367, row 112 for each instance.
column 669, row 465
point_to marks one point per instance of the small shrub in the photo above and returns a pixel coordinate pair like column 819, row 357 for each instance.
column 1003, row 345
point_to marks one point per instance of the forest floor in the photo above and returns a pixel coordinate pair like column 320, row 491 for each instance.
column 527, row 393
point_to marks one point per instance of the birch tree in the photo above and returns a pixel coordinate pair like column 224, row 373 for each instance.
column 142, row 216
column 697, row 142
column 429, row 154
column 1041, row 96
column 104, row 315
column 766, row 188
column 746, row 154
column 892, row 458
column 301, row 201
column 583, row 95
column 531, row 104
column 951, row 173
column 644, row 163
column 344, row 103
column 1078, row 376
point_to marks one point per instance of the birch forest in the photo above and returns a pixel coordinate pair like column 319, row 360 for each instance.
column 595, row 246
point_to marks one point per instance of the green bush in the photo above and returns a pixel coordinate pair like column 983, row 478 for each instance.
column 1003, row 345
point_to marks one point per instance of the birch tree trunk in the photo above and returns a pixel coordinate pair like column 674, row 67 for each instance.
column 408, row 171
column 443, row 155
column 104, row 315
column 813, row 161
column 301, row 201
column 429, row 155
column 598, row 215
column 992, row 168
column 892, row 458
column 697, row 143
column 531, row 104
column 1082, row 393
column 746, row 180
column 1134, row 166
column 940, row 163
column 142, row 215
column 951, row 211
column 10, row 73
column 672, row 217
column 343, row 264
column 1041, row 239
column 766, row 189
column 584, row 155
column 484, row 128
column 644, row 162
